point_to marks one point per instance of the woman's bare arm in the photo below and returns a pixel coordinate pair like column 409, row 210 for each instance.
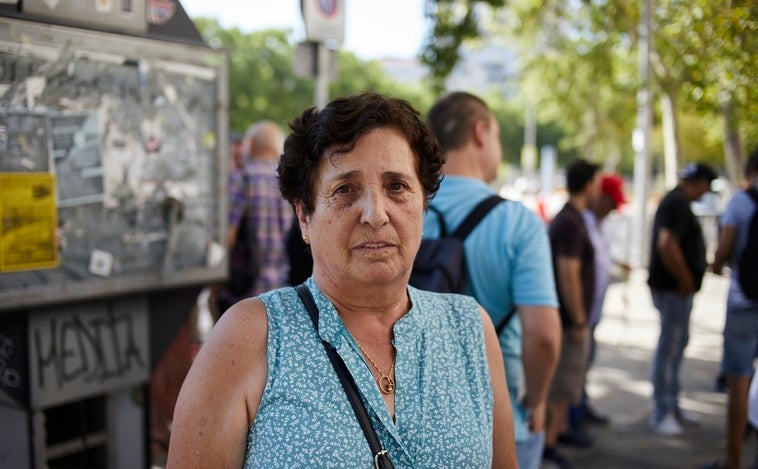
column 220, row 396
column 503, row 443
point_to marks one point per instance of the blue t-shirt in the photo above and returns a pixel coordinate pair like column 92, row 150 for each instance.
column 443, row 398
column 739, row 212
column 509, row 263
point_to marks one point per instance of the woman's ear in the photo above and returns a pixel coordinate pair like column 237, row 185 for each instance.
column 303, row 220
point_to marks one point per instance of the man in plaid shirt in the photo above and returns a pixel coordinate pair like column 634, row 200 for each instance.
column 259, row 218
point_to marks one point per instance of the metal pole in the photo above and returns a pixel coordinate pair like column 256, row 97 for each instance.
column 641, row 142
column 322, row 75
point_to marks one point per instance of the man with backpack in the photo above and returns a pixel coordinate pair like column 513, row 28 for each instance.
column 507, row 258
column 737, row 243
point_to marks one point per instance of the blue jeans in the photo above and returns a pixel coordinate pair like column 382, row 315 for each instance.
column 674, row 310
column 529, row 451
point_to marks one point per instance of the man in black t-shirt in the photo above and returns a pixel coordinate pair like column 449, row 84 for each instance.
column 677, row 266
column 574, row 267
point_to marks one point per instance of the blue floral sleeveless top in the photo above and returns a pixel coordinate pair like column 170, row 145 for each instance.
column 443, row 399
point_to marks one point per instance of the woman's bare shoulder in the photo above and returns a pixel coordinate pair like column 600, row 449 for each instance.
column 241, row 324
column 236, row 346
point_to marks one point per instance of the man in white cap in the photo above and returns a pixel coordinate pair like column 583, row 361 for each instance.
column 676, row 270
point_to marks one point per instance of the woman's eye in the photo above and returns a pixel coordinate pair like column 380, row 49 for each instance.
column 397, row 186
column 343, row 189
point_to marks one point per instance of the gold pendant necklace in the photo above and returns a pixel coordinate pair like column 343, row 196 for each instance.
column 385, row 382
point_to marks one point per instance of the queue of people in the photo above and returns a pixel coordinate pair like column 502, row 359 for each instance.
column 441, row 385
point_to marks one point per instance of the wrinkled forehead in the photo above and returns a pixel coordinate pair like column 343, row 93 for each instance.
column 382, row 150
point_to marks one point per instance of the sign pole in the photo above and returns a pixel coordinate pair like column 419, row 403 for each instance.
column 322, row 74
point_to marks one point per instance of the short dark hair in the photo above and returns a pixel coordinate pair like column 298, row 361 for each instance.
column 578, row 174
column 752, row 163
column 338, row 126
column 453, row 115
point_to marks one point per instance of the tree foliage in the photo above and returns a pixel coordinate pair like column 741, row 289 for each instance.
column 579, row 66
column 263, row 84
column 455, row 21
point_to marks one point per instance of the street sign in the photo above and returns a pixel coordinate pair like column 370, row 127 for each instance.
column 324, row 20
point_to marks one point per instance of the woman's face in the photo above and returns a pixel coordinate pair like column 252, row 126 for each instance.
column 368, row 211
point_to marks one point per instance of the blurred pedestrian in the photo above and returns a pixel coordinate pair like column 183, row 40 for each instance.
column 741, row 327
column 508, row 260
column 676, row 268
column 611, row 198
column 259, row 219
column 574, row 266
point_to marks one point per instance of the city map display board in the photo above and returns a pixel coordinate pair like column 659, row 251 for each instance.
column 111, row 168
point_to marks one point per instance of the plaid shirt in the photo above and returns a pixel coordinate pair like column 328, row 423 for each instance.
column 254, row 190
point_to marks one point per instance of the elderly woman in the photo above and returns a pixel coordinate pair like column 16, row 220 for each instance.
column 262, row 391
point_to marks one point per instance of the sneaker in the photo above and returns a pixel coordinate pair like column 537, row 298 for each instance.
column 551, row 458
column 667, row 425
column 575, row 436
column 687, row 418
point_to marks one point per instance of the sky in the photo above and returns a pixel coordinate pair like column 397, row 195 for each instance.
column 374, row 29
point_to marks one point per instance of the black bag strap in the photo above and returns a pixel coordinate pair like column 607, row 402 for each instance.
column 381, row 456
column 440, row 220
column 466, row 227
column 472, row 219
column 476, row 215
column 753, row 193
column 504, row 322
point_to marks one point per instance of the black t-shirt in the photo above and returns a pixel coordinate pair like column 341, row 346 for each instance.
column 569, row 238
column 675, row 214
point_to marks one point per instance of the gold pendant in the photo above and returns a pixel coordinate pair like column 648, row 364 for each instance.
column 386, row 384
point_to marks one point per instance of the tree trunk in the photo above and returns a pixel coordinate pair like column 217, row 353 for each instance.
column 671, row 148
column 732, row 141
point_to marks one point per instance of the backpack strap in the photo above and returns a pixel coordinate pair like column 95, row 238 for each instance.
column 504, row 322
column 440, row 221
column 753, row 193
column 468, row 225
column 476, row 215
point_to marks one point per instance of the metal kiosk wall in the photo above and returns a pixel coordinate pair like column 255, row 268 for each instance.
column 112, row 191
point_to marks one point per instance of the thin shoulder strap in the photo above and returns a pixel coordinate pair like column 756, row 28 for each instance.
column 476, row 215
column 381, row 456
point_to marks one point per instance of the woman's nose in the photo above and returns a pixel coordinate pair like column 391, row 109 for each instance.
column 374, row 208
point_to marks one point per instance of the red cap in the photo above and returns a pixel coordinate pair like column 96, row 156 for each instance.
column 613, row 186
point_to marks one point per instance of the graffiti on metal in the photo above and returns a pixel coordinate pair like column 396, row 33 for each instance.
column 87, row 349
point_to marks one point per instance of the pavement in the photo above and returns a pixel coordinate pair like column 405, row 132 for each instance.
column 619, row 383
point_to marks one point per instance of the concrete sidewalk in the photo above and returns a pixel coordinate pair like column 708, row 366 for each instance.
column 619, row 383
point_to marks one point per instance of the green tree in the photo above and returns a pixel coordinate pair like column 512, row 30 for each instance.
column 455, row 21
column 579, row 63
column 263, row 84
